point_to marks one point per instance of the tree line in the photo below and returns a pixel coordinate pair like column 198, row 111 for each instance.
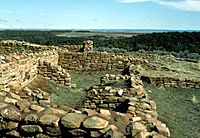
column 166, row 41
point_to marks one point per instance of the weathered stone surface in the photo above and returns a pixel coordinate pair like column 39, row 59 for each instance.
column 31, row 129
column 2, row 105
column 138, row 126
column 53, row 131
column 51, row 120
column 23, row 104
column 109, row 127
column 2, row 94
column 10, row 100
column 120, row 92
column 153, row 105
column 55, row 111
column 117, row 134
column 105, row 113
column 15, row 96
column 37, row 108
column 77, row 132
column 13, row 133
column 72, row 120
column 44, row 103
column 42, row 136
column 136, row 119
column 141, row 134
column 131, row 109
column 8, row 125
column 89, row 112
column 11, row 113
column 145, row 106
column 31, row 118
column 95, row 134
column 39, row 96
column 28, row 91
column 162, row 129
column 95, row 123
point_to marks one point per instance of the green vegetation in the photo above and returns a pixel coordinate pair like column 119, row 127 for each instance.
column 64, row 96
column 180, row 44
column 60, row 94
column 171, row 67
column 178, row 109
column 181, row 54
column 85, row 80
column 110, row 50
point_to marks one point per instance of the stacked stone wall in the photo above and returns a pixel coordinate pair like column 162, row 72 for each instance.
column 13, row 46
column 31, row 114
column 23, row 71
column 71, row 48
column 58, row 74
column 131, row 100
column 95, row 61
column 172, row 82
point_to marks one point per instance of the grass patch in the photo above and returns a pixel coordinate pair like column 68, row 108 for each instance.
column 68, row 97
column 60, row 94
column 179, row 109
column 118, row 84
column 84, row 80
column 171, row 67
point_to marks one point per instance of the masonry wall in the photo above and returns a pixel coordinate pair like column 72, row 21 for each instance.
column 13, row 46
column 172, row 82
column 95, row 61
column 72, row 48
column 22, row 71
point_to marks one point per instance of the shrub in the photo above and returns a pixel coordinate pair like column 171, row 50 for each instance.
column 193, row 55
column 110, row 50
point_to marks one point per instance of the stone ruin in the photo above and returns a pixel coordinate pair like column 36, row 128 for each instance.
column 116, row 108
column 88, row 46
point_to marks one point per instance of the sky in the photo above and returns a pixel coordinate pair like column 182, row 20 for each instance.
column 100, row 14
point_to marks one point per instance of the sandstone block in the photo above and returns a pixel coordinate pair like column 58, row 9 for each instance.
column 37, row 108
column 23, row 104
column 72, row 120
column 51, row 120
column 10, row 100
column 11, row 113
column 95, row 123
column 31, row 129
column 31, row 118
column 163, row 130
column 8, row 125
column 77, row 132
column 2, row 105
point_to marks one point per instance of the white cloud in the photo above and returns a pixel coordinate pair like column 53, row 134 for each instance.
column 185, row 5
column 3, row 21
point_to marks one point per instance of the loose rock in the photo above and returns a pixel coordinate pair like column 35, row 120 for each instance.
column 95, row 123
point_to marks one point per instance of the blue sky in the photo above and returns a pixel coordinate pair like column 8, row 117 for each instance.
column 100, row 14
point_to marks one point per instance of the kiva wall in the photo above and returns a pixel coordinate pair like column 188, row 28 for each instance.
column 95, row 61
column 22, row 71
column 172, row 82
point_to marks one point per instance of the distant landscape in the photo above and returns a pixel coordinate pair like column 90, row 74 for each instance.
column 183, row 44
column 100, row 69
column 168, row 62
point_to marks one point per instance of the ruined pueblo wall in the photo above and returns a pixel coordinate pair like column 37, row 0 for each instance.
column 95, row 61
column 20, row 72
column 172, row 82
column 13, row 46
